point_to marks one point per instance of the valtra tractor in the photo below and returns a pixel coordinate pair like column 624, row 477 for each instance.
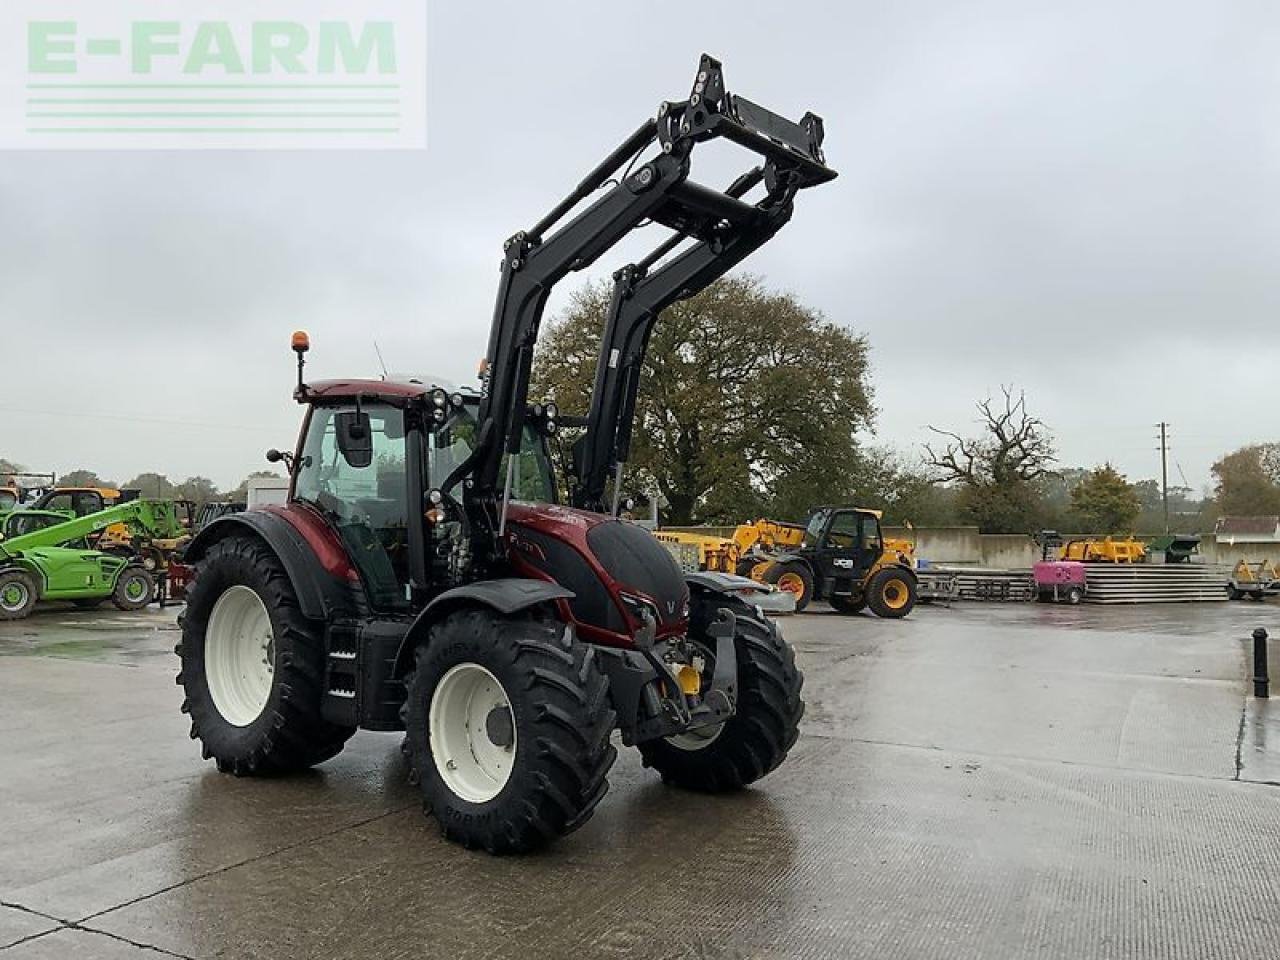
column 423, row 578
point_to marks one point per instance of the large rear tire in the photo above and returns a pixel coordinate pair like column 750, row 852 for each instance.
column 507, row 726
column 891, row 593
column 253, row 666
column 794, row 577
column 765, row 725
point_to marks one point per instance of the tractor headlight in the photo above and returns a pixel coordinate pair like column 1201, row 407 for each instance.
column 639, row 607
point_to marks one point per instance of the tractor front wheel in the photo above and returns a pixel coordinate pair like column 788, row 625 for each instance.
column 253, row 665
column 891, row 593
column 507, row 726
column 765, row 724
column 17, row 595
column 795, row 578
column 135, row 588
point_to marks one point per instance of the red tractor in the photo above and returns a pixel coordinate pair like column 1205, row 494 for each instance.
column 422, row 577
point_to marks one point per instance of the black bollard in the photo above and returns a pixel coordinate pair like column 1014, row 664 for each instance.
column 1260, row 677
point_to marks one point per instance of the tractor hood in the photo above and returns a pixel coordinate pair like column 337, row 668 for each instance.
column 615, row 568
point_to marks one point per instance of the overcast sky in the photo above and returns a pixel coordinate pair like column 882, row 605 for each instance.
column 1080, row 199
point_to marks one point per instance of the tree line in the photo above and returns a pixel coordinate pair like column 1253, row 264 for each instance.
column 150, row 485
column 752, row 404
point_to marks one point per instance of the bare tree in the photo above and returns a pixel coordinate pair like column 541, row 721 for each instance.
column 1015, row 447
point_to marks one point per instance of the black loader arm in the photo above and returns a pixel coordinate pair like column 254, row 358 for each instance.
column 657, row 190
column 641, row 291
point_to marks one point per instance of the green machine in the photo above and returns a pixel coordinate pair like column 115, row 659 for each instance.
column 44, row 555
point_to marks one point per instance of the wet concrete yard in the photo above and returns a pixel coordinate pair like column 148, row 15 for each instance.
column 985, row 781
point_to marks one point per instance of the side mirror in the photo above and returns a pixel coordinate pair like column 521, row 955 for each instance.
column 355, row 438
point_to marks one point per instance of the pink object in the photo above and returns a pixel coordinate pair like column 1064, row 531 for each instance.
column 1059, row 573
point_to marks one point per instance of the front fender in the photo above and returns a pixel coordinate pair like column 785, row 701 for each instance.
column 763, row 595
column 507, row 596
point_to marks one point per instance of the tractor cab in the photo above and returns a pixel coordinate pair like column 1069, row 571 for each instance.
column 82, row 501
column 377, row 461
column 845, row 544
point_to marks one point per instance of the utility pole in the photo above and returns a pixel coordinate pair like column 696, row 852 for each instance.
column 1164, row 471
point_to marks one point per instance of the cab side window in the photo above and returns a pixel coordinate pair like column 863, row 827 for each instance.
column 844, row 532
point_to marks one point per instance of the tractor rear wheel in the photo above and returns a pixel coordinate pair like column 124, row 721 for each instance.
column 848, row 604
column 795, row 578
column 507, row 726
column 764, row 727
column 17, row 595
column 135, row 589
column 253, row 665
column 891, row 593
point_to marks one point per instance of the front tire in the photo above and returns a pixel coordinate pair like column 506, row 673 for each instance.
column 507, row 726
column 892, row 593
column 253, row 666
column 795, row 578
column 765, row 726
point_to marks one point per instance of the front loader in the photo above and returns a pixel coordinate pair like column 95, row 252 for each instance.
column 421, row 576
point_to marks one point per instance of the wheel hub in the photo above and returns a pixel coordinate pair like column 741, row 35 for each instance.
column 473, row 735
column 13, row 596
column 239, row 655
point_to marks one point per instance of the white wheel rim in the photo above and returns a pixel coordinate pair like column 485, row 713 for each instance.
column 239, row 655
column 470, row 763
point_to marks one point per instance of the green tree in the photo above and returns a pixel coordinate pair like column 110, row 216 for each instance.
column 201, row 490
column 998, row 473
column 749, row 402
column 1248, row 481
column 1105, row 502
column 152, row 486
column 83, row 478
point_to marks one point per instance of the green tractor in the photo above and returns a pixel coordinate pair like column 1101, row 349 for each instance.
column 44, row 556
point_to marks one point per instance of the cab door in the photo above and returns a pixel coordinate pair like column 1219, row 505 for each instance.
column 848, row 550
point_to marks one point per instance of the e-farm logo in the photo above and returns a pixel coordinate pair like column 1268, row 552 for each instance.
column 155, row 74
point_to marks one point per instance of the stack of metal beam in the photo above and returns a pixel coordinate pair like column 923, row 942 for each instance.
column 980, row 583
column 1155, row 582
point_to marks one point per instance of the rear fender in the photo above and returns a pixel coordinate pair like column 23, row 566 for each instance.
column 506, row 596
column 320, row 595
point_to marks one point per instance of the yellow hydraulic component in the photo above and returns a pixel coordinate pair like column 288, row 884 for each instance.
column 690, row 680
column 1106, row 550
